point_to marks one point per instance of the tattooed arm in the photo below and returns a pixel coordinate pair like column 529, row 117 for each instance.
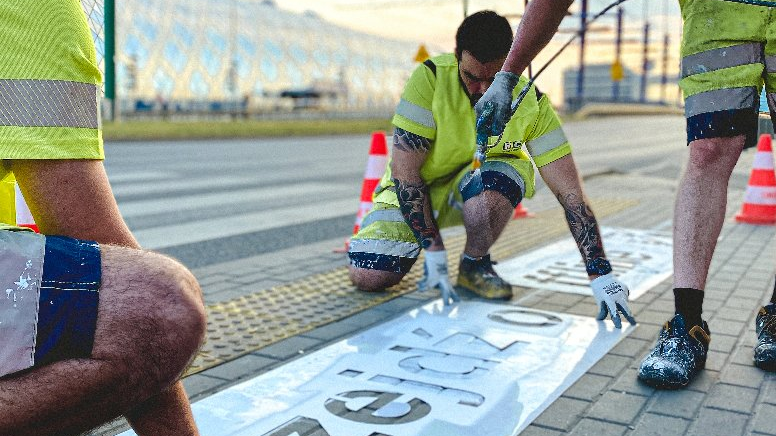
column 407, row 157
column 563, row 180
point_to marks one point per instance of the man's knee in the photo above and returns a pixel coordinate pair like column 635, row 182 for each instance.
column 716, row 155
column 151, row 314
column 373, row 280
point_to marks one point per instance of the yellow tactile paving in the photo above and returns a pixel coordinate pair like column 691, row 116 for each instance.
column 253, row 321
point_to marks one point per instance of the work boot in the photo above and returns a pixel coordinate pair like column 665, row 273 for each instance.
column 478, row 276
column 765, row 351
column 677, row 356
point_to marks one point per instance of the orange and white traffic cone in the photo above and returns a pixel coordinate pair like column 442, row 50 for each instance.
column 375, row 168
column 759, row 205
column 521, row 212
column 23, row 215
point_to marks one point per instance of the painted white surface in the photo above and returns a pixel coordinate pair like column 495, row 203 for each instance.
column 472, row 369
column 640, row 258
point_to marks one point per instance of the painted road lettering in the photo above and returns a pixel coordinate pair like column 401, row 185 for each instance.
column 475, row 368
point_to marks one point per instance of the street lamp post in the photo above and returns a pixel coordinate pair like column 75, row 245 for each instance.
column 581, row 73
column 110, row 57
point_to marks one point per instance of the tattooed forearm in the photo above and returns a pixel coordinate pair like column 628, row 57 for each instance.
column 408, row 141
column 583, row 226
column 412, row 203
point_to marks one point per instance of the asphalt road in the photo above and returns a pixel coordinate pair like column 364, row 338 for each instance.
column 212, row 201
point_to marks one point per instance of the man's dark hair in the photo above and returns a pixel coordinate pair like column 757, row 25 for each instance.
column 486, row 35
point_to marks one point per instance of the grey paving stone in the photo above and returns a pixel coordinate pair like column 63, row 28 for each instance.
column 743, row 355
column 680, row 403
column 534, row 430
column 666, row 307
column 710, row 307
column 593, row 427
column 241, row 367
column 733, row 314
column 712, row 294
column 659, row 425
column 704, row 381
column 629, row 382
column 583, row 309
column 563, row 414
column 743, row 303
column 630, row 347
column 725, row 327
column 713, row 422
column 550, row 307
column 564, row 299
column 722, row 343
column 198, row 384
column 399, row 305
column 716, row 360
column 743, row 375
column 610, row 365
column 647, row 332
column 218, row 287
column 210, row 279
column 733, row 398
column 617, row 407
column 253, row 277
column 763, row 419
column 653, row 317
column 333, row 331
column 588, row 387
column 288, row 348
column 769, row 389
column 369, row 317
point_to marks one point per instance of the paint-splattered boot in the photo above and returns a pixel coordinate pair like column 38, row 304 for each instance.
column 678, row 355
column 765, row 351
column 479, row 277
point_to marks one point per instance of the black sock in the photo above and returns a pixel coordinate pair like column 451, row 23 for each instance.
column 689, row 303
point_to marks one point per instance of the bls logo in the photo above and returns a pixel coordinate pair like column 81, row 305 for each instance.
column 512, row 145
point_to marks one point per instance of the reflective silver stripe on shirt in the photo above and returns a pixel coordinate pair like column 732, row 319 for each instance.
column 48, row 103
column 719, row 58
column 385, row 247
column 391, row 215
column 21, row 269
column 720, row 100
column 507, row 170
column 418, row 114
column 770, row 64
column 546, row 142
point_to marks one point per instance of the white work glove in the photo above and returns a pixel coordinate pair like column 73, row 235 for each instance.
column 435, row 276
column 494, row 109
column 612, row 296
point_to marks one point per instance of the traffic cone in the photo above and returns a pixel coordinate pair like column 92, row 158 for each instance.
column 521, row 212
column 375, row 168
column 759, row 205
column 23, row 214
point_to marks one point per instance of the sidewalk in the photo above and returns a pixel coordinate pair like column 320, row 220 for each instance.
column 268, row 310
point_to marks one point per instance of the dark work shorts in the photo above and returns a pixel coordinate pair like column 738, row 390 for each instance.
column 48, row 311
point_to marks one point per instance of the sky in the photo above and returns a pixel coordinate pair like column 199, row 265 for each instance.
column 433, row 23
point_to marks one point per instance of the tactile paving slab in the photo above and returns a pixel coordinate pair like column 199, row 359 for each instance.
column 248, row 323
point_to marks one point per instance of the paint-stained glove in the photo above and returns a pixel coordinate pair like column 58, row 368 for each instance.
column 435, row 276
column 499, row 97
column 612, row 296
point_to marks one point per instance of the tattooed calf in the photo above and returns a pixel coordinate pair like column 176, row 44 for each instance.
column 408, row 141
column 412, row 200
